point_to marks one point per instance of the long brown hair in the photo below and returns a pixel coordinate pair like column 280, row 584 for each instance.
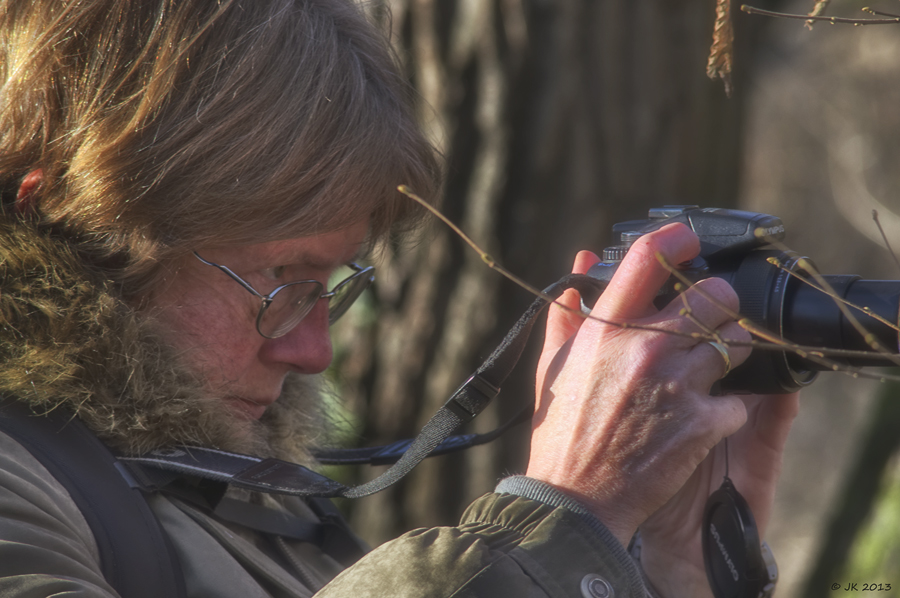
column 164, row 125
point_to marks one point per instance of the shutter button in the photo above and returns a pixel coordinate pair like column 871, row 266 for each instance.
column 594, row 586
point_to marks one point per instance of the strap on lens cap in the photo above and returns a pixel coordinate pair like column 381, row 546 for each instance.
column 732, row 553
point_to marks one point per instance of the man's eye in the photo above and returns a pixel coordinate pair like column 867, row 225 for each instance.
column 274, row 273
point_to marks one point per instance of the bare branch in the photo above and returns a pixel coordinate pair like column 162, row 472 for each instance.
column 777, row 343
column 833, row 20
column 771, row 341
column 880, row 13
column 822, row 285
column 832, row 294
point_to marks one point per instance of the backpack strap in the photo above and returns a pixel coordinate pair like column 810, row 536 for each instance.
column 136, row 556
column 340, row 541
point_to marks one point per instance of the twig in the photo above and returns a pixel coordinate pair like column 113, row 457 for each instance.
column 493, row 265
column 485, row 257
column 880, row 13
column 771, row 341
column 688, row 313
column 832, row 294
column 777, row 343
column 823, row 286
column 833, row 20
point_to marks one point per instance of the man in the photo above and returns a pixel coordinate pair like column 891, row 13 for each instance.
column 180, row 180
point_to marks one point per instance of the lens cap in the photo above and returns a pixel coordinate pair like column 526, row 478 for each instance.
column 734, row 560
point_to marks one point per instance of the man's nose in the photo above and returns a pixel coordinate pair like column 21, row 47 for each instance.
column 307, row 347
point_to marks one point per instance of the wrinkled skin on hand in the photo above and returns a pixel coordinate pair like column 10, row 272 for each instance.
column 624, row 421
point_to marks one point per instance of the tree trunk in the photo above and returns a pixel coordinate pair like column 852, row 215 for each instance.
column 558, row 119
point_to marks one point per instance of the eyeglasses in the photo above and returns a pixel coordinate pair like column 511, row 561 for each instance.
column 282, row 309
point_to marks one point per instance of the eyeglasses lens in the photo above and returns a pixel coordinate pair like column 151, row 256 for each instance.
column 345, row 293
column 294, row 301
column 289, row 305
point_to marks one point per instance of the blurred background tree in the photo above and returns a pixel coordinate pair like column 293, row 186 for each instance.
column 559, row 118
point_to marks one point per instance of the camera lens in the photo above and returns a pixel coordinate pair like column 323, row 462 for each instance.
column 792, row 309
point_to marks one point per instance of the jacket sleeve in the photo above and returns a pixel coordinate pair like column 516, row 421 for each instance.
column 526, row 540
column 46, row 546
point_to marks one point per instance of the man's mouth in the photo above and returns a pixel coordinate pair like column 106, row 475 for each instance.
column 249, row 408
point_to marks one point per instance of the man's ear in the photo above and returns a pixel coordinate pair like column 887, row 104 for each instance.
column 26, row 199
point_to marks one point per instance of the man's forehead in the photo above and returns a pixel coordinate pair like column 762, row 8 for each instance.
column 322, row 251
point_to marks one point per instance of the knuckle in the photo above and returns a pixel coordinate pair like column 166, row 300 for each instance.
column 678, row 388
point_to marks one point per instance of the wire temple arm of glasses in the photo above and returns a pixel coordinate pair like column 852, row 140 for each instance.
column 234, row 276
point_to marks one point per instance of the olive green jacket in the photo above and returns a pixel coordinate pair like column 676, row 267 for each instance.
column 67, row 339
column 506, row 545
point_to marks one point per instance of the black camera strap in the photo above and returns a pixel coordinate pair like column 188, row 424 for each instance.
column 281, row 477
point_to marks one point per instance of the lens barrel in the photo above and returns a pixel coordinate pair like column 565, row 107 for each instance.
column 792, row 309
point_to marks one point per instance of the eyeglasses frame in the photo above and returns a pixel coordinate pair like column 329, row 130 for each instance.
column 266, row 300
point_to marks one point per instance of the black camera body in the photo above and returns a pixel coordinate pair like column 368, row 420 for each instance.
column 736, row 245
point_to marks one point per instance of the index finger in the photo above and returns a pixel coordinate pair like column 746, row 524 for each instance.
column 633, row 287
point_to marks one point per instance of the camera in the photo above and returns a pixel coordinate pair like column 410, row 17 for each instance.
column 736, row 245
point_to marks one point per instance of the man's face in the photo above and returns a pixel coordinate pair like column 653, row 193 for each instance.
column 211, row 319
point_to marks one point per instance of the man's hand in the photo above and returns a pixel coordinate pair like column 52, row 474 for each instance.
column 624, row 421
column 623, row 415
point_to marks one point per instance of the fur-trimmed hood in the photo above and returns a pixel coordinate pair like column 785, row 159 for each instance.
column 68, row 339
